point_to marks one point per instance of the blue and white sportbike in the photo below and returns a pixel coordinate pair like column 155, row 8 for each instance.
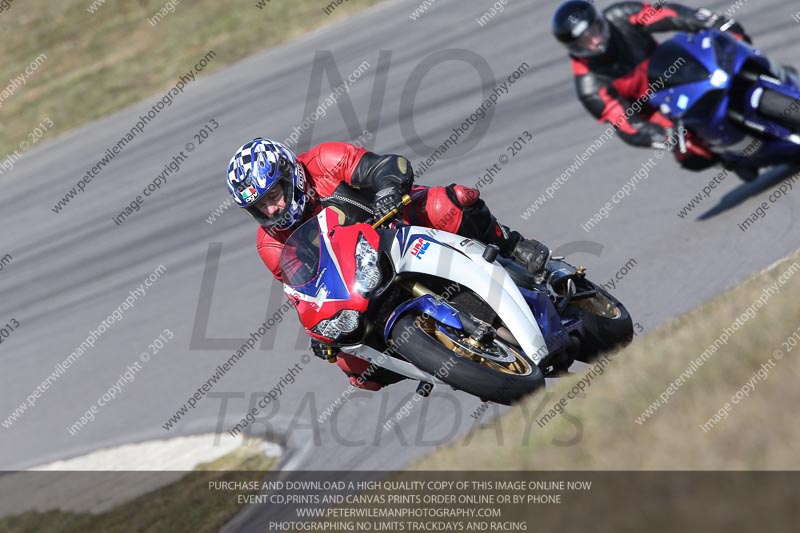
column 742, row 105
column 438, row 308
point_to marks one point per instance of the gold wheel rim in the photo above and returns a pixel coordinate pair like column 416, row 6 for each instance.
column 519, row 367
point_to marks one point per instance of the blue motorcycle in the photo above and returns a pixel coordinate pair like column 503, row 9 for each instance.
column 742, row 105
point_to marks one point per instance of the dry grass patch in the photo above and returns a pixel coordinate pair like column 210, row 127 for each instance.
column 98, row 63
column 759, row 432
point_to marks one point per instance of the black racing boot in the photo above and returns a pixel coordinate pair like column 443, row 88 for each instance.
column 479, row 223
column 532, row 254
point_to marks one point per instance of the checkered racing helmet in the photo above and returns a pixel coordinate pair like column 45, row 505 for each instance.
column 257, row 168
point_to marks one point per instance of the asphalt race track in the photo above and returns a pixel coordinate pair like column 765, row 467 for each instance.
column 71, row 270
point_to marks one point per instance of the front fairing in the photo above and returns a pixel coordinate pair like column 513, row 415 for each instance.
column 693, row 75
column 454, row 258
column 703, row 92
column 318, row 264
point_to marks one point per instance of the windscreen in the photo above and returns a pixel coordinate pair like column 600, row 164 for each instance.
column 674, row 65
column 726, row 49
column 300, row 255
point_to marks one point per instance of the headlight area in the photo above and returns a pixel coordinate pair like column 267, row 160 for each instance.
column 345, row 321
column 368, row 274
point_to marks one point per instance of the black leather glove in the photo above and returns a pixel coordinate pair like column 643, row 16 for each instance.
column 722, row 23
column 320, row 350
column 386, row 200
column 648, row 135
column 657, row 136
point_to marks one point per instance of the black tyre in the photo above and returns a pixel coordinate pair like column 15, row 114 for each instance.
column 781, row 108
column 425, row 345
column 606, row 323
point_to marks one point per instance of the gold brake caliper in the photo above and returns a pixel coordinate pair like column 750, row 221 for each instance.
column 518, row 366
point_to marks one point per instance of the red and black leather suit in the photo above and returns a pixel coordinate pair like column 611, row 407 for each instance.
column 609, row 84
column 342, row 175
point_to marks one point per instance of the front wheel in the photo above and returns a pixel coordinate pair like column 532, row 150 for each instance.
column 495, row 372
column 780, row 108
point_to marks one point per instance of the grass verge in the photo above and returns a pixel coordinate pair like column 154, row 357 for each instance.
column 734, row 411
column 83, row 65
column 186, row 505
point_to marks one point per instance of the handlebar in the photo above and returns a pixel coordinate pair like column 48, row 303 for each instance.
column 393, row 213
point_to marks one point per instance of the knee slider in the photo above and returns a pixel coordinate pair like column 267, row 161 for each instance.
column 443, row 210
column 462, row 196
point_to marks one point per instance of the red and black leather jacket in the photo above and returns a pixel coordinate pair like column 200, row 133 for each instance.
column 342, row 175
column 608, row 85
column 347, row 177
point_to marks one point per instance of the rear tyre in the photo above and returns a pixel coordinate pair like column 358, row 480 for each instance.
column 606, row 324
column 780, row 108
column 424, row 343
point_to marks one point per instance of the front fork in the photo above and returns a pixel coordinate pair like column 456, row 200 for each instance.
column 479, row 331
column 560, row 343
